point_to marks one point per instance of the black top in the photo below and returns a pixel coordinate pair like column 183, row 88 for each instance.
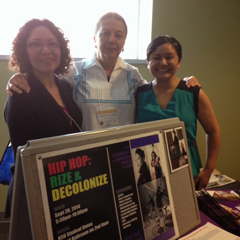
column 37, row 115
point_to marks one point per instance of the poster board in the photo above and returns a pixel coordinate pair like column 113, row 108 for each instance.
column 95, row 185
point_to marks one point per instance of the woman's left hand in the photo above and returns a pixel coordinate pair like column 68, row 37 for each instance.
column 202, row 179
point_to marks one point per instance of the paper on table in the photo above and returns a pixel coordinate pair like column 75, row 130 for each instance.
column 219, row 180
column 210, row 232
column 212, row 181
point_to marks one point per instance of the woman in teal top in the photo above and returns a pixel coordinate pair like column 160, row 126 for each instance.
column 167, row 97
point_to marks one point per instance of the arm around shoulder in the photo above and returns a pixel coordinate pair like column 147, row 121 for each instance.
column 136, row 75
column 74, row 72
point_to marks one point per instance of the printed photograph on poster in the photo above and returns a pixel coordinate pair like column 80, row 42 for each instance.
column 156, row 210
column 176, row 149
column 152, row 187
column 147, row 163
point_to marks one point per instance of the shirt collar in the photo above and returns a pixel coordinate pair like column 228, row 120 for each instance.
column 90, row 62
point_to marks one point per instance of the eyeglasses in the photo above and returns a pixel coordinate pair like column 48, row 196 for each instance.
column 38, row 47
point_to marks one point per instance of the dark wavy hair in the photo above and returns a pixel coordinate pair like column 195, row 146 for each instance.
column 110, row 15
column 141, row 153
column 156, row 42
column 19, row 58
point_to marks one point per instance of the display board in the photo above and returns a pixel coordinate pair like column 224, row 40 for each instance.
column 130, row 182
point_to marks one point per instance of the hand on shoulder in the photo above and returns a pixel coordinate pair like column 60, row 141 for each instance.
column 192, row 82
column 18, row 84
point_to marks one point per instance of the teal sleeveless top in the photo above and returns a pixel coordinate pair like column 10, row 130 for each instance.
column 184, row 105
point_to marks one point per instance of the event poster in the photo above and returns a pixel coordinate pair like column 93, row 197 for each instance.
column 79, row 196
column 100, row 193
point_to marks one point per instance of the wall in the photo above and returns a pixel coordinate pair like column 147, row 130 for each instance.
column 210, row 37
column 209, row 34
column 4, row 76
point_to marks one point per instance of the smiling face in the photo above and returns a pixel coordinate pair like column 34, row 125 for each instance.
column 110, row 39
column 46, row 60
column 164, row 62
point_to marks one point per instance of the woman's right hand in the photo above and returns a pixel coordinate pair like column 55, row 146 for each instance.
column 18, row 84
